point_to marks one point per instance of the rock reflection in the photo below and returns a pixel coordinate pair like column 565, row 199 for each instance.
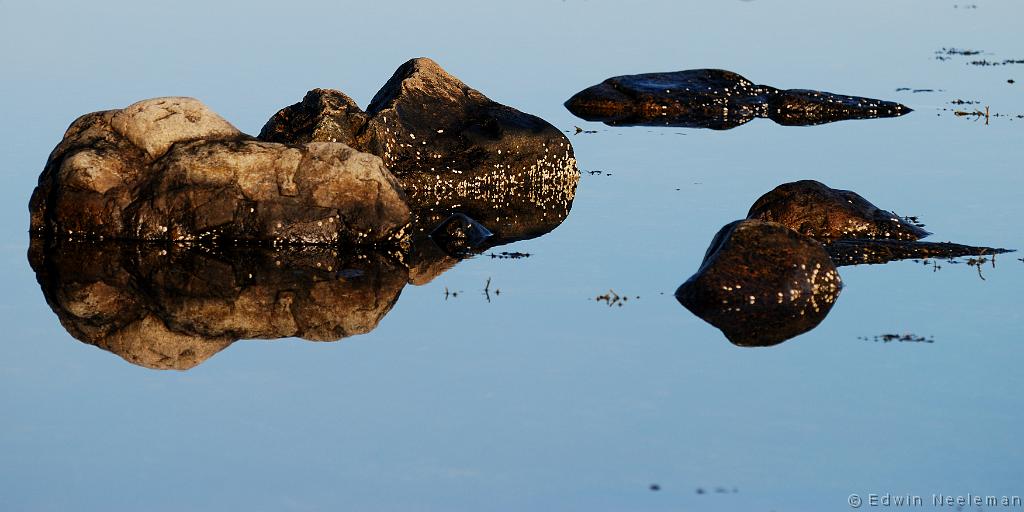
column 172, row 306
column 774, row 276
column 716, row 99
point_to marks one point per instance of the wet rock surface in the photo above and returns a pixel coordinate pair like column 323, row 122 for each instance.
column 174, row 306
column 815, row 210
column 716, row 99
column 762, row 283
column 170, row 169
column 453, row 149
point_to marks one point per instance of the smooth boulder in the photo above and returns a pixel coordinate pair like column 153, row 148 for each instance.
column 815, row 210
column 762, row 283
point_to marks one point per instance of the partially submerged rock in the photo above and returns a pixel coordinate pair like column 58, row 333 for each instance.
column 762, row 283
column 716, row 99
column 824, row 213
column 453, row 149
column 173, row 307
column 170, row 169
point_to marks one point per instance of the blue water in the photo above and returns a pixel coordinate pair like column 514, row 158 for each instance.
column 543, row 398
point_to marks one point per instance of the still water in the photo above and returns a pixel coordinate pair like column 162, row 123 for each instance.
column 541, row 397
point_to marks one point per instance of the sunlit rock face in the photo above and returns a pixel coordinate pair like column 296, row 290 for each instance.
column 762, row 283
column 453, row 149
column 173, row 306
column 716, row 99
column 824, row 213
column 170, row 169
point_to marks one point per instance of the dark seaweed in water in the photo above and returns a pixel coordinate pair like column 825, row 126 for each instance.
column 716, row 99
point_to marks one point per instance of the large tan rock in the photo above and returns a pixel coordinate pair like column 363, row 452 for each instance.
column 171, row 169
column 156, row 124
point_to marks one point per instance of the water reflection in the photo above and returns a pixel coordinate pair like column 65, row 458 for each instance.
column 173, row 306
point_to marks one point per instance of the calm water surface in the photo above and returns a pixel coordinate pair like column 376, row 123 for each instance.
column 543, row 398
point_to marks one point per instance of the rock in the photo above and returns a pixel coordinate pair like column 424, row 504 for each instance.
column 871, row 252
column 169, row 169
column 800, row 107
column 716, row 99
column 174, row 306
column 323, row 115
column 459, row 235
column 762, row 283
column 824, row 213
column 453, row 149
column 157, row 124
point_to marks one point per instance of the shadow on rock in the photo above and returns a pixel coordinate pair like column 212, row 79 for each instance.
column 774, row 275
column 715, row 99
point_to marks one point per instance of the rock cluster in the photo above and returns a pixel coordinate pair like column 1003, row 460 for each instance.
column 452, row 148
column 322, row 171
column 773, row 276
column 309, row 230
column 716, row 99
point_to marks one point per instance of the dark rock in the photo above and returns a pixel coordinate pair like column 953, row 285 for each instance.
column 323, row 115
column 716, row 99
column 824, row 213
column 460, row 234
column 799, row 107
column 170, row 169
column 762, row 283
column 172, row 306
column 870, row 252
column 453, row 149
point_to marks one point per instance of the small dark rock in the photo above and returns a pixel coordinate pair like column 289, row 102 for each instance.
column 323, row 115
column 824, row 213
column 460, row 234
column 716, row 99
column 762, row 283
